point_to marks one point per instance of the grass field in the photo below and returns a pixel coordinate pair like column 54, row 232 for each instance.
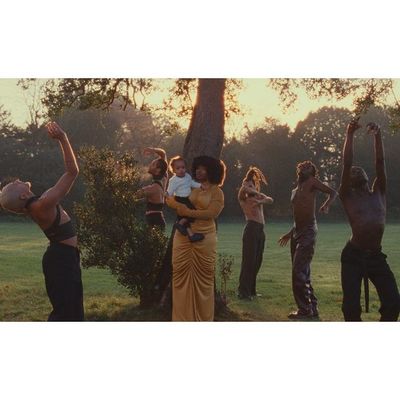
column 23, row 296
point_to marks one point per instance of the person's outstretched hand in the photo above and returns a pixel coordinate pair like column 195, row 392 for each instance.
column 353, row 126
column 283, row 240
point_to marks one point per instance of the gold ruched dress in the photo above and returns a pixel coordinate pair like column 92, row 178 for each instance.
column 193, row 264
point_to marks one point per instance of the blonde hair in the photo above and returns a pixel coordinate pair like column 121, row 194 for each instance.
column 10, row 199
column 256, row 176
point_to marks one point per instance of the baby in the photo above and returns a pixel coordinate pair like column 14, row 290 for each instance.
column 180, row 186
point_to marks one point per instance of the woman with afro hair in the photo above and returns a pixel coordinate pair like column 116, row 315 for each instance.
column 193, row 263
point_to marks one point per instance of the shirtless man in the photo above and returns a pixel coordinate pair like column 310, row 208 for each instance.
column 154, row 193
column 362, row 256
column 61, row 264
column 252, row 201
column 303, row 236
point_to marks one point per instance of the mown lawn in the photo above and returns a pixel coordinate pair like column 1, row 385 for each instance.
column 23, row 296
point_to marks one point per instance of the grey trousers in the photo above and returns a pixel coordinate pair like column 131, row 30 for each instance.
column 302, row 247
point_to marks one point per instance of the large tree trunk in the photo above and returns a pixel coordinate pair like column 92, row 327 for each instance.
column 206, row 131
column 205, row 136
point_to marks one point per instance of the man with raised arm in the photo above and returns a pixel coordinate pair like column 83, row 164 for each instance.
column 303, row 237
column 61, row 262
column 362, row 256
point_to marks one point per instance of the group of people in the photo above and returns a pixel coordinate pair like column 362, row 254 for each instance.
column 361, row 258
column 192, row 250
column 189, row 264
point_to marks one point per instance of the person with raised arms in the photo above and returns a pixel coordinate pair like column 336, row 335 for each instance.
column 61, row 261
column 362, row 256
column 155, row 192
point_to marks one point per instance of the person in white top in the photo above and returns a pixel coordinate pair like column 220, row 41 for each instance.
column 180, row 186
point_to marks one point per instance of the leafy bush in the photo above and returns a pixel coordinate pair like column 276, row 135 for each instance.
column 111, row 226
column 225, row 263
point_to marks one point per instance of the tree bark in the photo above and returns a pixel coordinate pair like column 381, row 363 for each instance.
column 205, row 136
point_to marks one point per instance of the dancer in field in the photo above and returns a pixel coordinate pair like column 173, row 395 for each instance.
column 155, row 192
column 362, row 256
column 252, row 203
column 303, row 237
column 61, row 262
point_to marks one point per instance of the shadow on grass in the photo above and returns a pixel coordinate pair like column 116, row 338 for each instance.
column 136, row 313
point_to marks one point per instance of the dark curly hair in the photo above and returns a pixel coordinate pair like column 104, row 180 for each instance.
column 163, row 165
column 307, row 163
column 216, row 169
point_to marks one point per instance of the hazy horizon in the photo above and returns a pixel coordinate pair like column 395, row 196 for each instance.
column 256, row 100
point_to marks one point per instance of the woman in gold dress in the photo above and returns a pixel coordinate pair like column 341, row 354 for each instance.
column 193, row 263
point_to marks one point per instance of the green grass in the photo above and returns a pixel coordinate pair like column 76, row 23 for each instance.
column 23, row 296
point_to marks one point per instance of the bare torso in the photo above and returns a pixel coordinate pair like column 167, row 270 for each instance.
column 303, row 203
column 366, row 212
column 155, row 194
column 253, row 211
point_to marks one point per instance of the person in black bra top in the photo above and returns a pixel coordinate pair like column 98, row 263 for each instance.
column 154, row 193
column 61, row 262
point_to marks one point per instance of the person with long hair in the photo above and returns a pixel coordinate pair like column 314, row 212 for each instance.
column 253, row 241
column 193, row 263
column 155, row 192
column 61, row 261
column 303, row 237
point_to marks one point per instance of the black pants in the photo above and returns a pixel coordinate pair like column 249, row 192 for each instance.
column 156, row 219
column 302, row 247
column 62, row 274
column 253, row 242
column 188, row 204
column 356, row 264
column 164, row 277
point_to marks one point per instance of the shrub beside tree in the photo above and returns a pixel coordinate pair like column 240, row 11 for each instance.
column 111, row 226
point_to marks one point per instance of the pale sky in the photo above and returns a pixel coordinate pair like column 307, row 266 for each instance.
column 257, row 100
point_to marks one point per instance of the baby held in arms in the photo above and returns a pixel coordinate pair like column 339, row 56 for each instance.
column 180, row 186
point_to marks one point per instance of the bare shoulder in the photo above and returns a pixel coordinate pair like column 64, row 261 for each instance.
column 314, row 183
column 43, row 203
column 321, row 186
column 41, row 211
column 307, row 187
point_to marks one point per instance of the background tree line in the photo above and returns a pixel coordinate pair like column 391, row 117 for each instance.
column 273, row 147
